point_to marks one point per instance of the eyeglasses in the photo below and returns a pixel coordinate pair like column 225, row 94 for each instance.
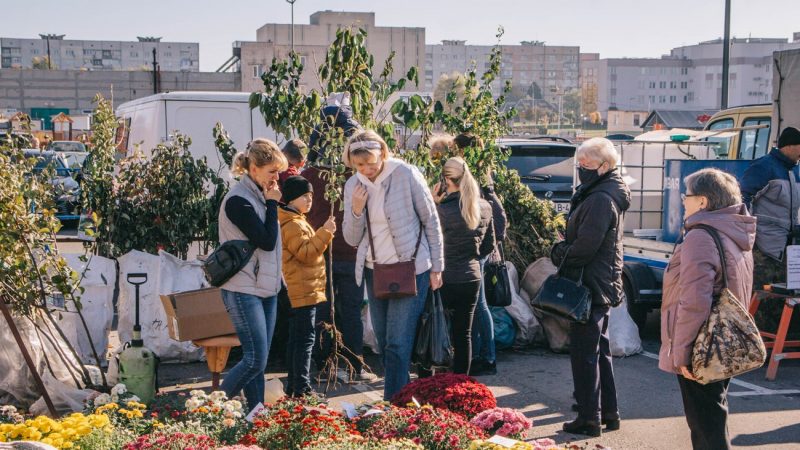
column 579, row 166
column 685, row 196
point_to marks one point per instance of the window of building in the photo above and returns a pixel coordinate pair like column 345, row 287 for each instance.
column 673, row 99
column 684, row 71
column 134, row 54
column 70, row 52
column 636, row 120
column 168, row 54
column 651, row 99
column 34, row 51
column 652, row 85
column 684, row 84
column 258, row 69
column 662, row 84
column 662, row 99
column 673, row 84
column 685, row 99
column 644, row 70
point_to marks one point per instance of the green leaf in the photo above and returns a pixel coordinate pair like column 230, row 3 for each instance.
column 255, row 100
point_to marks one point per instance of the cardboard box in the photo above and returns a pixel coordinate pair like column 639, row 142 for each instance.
column 196, row 314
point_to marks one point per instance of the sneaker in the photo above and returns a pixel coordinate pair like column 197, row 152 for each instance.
column 363, row 377
column 480, row 367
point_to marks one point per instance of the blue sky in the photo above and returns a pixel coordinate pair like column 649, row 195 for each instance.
column 614, row 28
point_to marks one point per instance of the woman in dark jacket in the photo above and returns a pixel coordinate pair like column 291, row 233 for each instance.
column 693, row 277
column 483, row 347
column 468, row 237
column 593, row 250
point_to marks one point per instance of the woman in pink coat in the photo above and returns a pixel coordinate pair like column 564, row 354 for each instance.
column 691, row 281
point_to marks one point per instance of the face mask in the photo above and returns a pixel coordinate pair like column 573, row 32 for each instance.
column 587, row 176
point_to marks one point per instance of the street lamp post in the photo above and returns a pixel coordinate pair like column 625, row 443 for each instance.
column 726, row 55
column 291, row 2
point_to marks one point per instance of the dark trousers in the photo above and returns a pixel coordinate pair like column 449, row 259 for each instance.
column 298, row 350
column 706, row 409
column 348, row 300
column 592, row 371
column 460, row 299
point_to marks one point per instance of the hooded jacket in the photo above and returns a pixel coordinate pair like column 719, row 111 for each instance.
column 693, row 277
column 594, row 237
column 303, row 260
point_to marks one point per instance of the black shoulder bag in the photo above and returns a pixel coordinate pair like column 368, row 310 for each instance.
column 562, row 297
column 226, row 261
column 496, row 282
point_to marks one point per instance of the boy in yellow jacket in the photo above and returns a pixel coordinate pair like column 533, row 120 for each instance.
column 304, row 272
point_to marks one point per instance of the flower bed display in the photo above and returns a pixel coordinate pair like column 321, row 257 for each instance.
column 200, row 421
column 457, row 393
column 504, row 422
column 431, row 427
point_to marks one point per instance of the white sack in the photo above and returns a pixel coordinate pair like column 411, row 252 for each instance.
column 528, row 327
column 66, row 398
column 17, row 386
column 623, row 333
column 370, row 340
column 166, row 274
column 96, row 306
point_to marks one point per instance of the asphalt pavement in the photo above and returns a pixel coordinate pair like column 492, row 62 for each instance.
column 764, row 414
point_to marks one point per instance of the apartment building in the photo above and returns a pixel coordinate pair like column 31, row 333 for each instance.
column 555, row 69
column 311, row 41
column 68, row 54
column 689, row 77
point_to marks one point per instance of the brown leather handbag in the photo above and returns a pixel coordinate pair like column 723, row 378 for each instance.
column 398, row 280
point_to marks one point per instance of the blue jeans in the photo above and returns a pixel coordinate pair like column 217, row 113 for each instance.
column 254, row 320
column 483, row 326
column 395, row 324
column 298, row 351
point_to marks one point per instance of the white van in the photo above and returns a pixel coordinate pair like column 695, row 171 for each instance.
column 155, row 119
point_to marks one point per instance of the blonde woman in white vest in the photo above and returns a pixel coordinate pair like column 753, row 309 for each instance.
column 250, row 212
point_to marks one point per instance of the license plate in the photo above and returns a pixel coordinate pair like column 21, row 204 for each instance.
column 561, row 207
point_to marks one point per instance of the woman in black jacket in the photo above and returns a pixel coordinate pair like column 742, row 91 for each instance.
column 592, row 251
column 468, row 237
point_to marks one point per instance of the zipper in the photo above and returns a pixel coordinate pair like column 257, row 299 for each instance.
column 669, row 333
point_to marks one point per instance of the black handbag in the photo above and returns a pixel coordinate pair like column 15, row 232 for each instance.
column 496, row 282
column 432, row 346
column 226, row 261
column 563, row 297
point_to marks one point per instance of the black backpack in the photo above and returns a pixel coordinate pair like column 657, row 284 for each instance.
column 226, row 261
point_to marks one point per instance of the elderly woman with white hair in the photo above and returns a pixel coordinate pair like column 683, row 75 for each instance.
column 592, row 251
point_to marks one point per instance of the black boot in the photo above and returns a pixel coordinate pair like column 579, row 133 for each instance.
column 585, row 427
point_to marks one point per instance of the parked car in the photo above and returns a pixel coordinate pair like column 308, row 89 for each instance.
column 66, row 189
column 546, row 166
column 73, row 152
column 67, row 146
